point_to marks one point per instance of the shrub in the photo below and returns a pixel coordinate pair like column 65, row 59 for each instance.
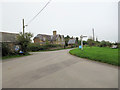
column 5, row 49
column 74, row 45
column 38, row 47
column 24, row 40
column 91, row 42
column 105, row 44
column 33, row 47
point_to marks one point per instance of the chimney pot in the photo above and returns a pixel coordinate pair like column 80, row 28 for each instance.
column 54, row 32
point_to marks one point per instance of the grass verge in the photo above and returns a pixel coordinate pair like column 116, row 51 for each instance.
column 101, row 54
column 13, row 56
column 16, row 56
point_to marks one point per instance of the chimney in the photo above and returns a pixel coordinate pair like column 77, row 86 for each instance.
column 54, row 32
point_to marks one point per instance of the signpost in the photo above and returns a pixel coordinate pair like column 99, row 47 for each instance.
column 80, row 46
column 81, row 37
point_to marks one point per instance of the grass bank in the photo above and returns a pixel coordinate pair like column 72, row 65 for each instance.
column 13, row 56
column 102, row 54
column 16, row 56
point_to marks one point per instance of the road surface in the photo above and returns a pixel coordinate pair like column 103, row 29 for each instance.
column 57, row 69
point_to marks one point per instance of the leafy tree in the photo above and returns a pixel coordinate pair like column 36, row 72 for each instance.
column 90, row 42
column 108, row 44
column 5, row 49
column 97, row 43
column 103, row 43
column 24, row 40
column 85, row 42
column 66, row 40
column 79, row 42
column 67, row 37
column 77, row 39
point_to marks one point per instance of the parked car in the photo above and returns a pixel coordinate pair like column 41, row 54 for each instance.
column 114, row 46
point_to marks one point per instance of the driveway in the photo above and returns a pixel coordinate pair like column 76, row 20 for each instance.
column 57, row 69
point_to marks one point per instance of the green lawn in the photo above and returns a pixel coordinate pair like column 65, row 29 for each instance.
column 102, row 54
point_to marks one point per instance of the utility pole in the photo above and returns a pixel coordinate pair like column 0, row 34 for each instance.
column 93, row 34
column 23, row 27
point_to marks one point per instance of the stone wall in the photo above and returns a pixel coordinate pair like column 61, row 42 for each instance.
column 9, row 37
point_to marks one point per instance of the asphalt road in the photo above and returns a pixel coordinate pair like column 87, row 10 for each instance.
column 57, row 69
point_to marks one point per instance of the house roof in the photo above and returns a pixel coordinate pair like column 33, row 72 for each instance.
column 72, row 41
column 44, row 37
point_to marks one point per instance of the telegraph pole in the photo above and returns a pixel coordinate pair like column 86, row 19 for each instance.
column 93, row 34
column 23, row 27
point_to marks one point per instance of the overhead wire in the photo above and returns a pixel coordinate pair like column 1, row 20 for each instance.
column 39, row 12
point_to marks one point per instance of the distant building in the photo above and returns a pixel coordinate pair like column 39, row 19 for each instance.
column 72, row 42
column 52, row 39
column 9, row 38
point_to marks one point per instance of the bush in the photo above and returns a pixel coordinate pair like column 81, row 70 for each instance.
column 105, row 44
column 38, row 47
column 24, row 40
column 91, row 42
column 33, row 47
column 5, row 49
column 52, row 45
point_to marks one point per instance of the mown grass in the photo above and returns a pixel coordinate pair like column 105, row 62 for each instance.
column 102, row 54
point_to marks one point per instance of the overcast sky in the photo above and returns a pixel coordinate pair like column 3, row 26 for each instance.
column 67, row 17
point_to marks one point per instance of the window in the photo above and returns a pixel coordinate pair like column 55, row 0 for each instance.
column 44, row 39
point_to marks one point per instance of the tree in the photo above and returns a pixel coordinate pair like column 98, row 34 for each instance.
column 24, row 40
column 5, row 49
column 85, row 42
column 77, row 40
column 66, row 40
column 67, row 37
column 90, row 42
column 108, row 44
column 105, row 43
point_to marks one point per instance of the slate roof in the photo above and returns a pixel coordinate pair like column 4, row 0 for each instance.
column 43, row 37
column 72, row 41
